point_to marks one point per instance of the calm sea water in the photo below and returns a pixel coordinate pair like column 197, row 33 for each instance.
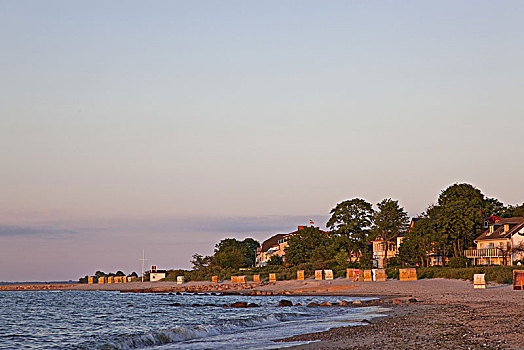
column 111, row 320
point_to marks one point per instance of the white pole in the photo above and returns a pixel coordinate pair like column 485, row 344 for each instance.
column 143, row 261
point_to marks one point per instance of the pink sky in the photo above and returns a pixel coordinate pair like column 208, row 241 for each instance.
column 170, row 126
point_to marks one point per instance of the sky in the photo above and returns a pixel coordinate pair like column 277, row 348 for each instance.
column 169, row 125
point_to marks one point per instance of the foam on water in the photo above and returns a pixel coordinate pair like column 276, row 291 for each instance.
column 109, row 320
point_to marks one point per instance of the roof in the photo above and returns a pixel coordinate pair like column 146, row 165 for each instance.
column 159, row 271
column 272, row 241
column 516, row 224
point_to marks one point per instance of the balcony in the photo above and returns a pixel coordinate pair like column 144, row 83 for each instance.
column 483, row 253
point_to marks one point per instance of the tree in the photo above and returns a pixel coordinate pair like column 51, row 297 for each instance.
column 507, row 251
column 458, row 215
column 251, row 251
column 494, row 207
column 352, row 219
column 230, row 253
column 200, row 262
column 390, row 221
column 308, row 245
column 100, row 274
column 275, row 260
column 514, row 210
column 418, row 243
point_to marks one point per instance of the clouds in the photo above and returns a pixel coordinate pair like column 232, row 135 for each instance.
column 246, row 224
column 224, row 225
column 13, row 230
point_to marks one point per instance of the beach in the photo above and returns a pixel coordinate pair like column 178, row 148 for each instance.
column 448, row 314
column 437, row 313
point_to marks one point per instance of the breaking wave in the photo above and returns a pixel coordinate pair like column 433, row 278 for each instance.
column 179, row 334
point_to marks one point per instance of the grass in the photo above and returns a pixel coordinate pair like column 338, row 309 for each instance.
column 497, row 274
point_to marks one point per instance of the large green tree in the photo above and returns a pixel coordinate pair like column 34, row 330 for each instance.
column 230, row 253
column 390, row 221
column 419, row 243
column 353, row 220
column 308, row 245
column 458, row 216
column 251, row 251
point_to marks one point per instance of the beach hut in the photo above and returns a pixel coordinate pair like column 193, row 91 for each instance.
column 111, row 279
column 179, row 279
column 214, row 279
column 256, row 278
column 300, row 275
column 368, row 276
column 318, row 275
column 379, row 275
column 479, row 281
column 238, row 279
column 101, row 280
column 518, row 279
column 355, row 275
column 328, row 274
column 407, row 274
column 272, row 277
column 90, row 280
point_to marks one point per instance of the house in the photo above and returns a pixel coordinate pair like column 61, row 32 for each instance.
column 379, row 249
column 274, row 246
column 501, row 243
column 156, row 275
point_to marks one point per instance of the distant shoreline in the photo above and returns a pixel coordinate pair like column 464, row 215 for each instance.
column 36, row 283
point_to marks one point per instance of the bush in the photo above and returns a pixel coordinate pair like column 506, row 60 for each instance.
column 392, row 272
column 458, row 261
column 497, row 274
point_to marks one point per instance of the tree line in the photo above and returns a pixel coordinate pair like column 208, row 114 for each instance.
column 446, row 228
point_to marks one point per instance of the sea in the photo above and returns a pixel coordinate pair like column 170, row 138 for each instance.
column 113, row 320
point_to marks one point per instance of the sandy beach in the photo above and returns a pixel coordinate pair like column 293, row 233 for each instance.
column 430, row 313
column 448, row 314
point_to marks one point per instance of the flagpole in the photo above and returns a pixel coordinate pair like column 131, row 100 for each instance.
column 143, row 262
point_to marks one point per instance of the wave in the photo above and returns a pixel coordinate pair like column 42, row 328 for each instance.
column 179, row 333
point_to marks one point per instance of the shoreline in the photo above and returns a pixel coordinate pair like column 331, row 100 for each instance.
column 442, row 313
column 448, row 314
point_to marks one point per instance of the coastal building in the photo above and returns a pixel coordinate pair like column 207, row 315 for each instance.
column 156, row 275
column 379, row 247
column 501, row 243
column 274, row 246
column 379, row 250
